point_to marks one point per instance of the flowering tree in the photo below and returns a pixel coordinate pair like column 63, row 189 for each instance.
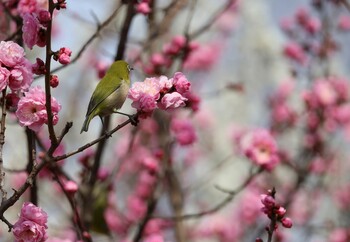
column 232, row 134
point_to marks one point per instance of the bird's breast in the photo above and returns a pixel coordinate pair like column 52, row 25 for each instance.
column 115, row 100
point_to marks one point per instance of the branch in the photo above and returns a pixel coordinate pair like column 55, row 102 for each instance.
column 212, row 20
column 106, row 135
column 31, row 163
column 100, row 27
column 76, row 218
column 346, row 4
column 220, row 205
column 2, row 142
column 47, row 78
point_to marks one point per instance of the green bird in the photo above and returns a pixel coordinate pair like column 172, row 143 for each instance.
column 110, row 93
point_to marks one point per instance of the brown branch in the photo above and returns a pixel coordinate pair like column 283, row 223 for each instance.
column 105, row 135
column 346, row 4
column 31, row 149
column 47, row 78
column 212, row 20
column 152, row 203
column 76, row 218
column 220, row 205
column 2, row 142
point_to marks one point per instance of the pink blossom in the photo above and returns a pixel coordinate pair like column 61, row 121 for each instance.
column 115, row 222
column 339, row 235
column 30, row 30
column 31, row 225
column 175, row 46
column 4, row 77
column 260, row 146
column 155, row 226
column 313, row 25
column 203, row 57
column 21, row 77
column 344, row 23
column 302, row 15
column 287, row 222
column 181, row 83
column 54, row 81
column 158, row 59
column 101, row 67
column 283, row 114
column 33, row 213
column 324, row 91
column 145, row 94
column 183, row 131
column 143, row 8
column 151, row 164
column 267, row 200
column 154, row 238
column 31, row 110
column 11, row 53
column 44, row 17
column 31, row 6
column 294, row 51
column 71, row 187
column 136, row 208
column 28, row 231
column 172, row 100
column 193, row 101
column 250, row 206
column 63, row 55
column 165, row 83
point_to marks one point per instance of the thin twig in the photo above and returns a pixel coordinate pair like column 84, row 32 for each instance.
column 100, row 27
column 220, row 205
column 212, row 20
column 106, row 135
column 76, row 218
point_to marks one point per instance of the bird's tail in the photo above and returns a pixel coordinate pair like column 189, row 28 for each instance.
column 86, row 124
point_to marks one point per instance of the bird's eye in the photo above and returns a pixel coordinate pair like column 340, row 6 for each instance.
column 130, row 68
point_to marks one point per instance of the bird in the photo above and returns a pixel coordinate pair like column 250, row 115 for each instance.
column 110, row 93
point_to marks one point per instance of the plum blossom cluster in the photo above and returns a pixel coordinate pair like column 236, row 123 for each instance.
column 274, row 212
column 31, row 225
column 260, row 147
column 161, row 92
column 31, row 111
column 143, row 164
column 196, row 56
column 282, row 114
column 302, row 29
column 327, row 106
column 15, row 69
column 164, row 59
column 183, row 130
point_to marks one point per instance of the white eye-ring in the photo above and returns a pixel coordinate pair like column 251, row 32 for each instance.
column 130, row 68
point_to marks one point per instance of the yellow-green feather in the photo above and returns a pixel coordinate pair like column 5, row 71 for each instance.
column 110, row 93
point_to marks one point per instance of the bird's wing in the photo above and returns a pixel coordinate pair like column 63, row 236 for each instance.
column 101, row 94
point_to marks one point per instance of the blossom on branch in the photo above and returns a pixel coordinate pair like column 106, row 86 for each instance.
column 31, row 225
column 31, row 110
column 161, row 92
